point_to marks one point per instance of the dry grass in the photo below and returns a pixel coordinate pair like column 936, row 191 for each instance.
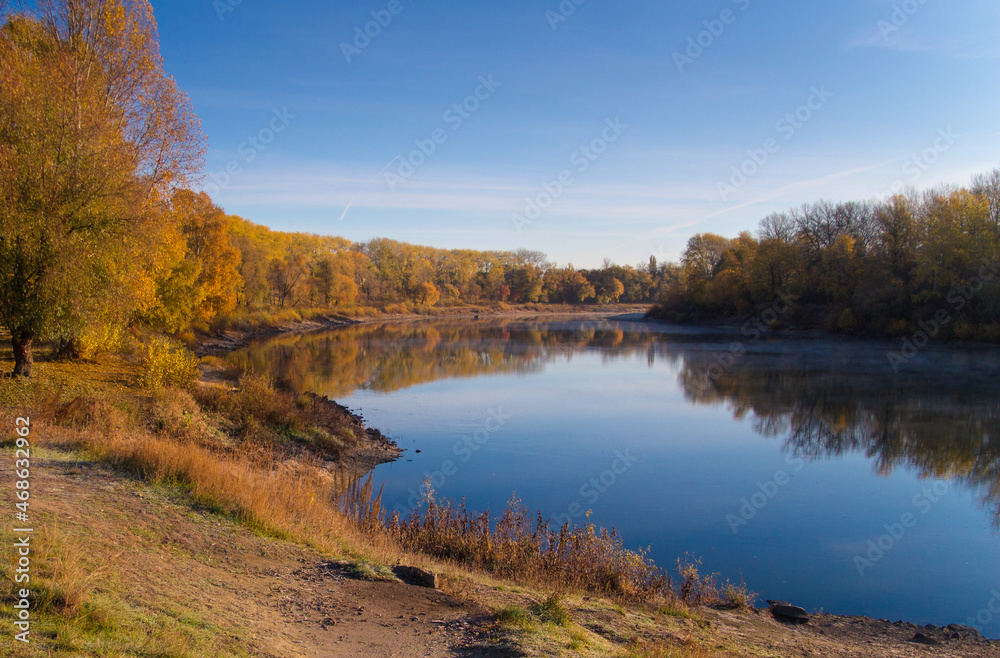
column 522, row 547
column 284, row 500
column 261, row 487
column 704, row 589
column 265, row 415
column 250, row 320
column 64, row 580
column 687, row 649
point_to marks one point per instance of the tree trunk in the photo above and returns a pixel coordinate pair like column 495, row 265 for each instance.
column 22, row 355
column 67, row 348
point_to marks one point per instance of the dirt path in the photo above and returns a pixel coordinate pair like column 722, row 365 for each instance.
column 337, row 616
column 269, row 596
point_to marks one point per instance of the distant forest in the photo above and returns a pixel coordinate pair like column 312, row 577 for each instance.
column 265, row 268
column 916, row 262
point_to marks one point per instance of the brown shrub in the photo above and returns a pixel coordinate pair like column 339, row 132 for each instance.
column 523, row 547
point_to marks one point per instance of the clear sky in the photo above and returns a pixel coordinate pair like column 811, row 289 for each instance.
column 642, row 108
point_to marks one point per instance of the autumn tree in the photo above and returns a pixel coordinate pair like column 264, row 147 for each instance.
column 427, row 294
column 525, row 283
column 344, row 291
column 93, row 137
column 987, row 187
column 205, row 229
column 878, row 266
column 286, row 277
column 567, row 285
column 703, row 254
column 610, row 291
column 324, row 274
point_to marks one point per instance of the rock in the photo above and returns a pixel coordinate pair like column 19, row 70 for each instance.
column 417, row 576
column 964, row 630
column 784, row 611
column 920, row 638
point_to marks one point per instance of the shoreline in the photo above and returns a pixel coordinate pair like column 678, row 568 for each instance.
column 226, row 341
column 856, row 630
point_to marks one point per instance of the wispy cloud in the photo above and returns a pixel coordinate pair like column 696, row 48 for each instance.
column 340, row 191
column 919, row 43
column 958, row 32
column 820, row 182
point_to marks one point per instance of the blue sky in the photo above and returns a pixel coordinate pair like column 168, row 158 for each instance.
column 643, row 125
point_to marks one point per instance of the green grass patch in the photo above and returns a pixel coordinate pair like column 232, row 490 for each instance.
column 364, row 570
column 551, row 611
column 514, row 617
column 678, row 612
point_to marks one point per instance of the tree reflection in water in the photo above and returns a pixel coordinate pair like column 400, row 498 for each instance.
column 824, row 397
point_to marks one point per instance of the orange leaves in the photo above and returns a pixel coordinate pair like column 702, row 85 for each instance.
column 427, row 294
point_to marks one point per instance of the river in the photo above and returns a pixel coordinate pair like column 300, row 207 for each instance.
column 839, row 474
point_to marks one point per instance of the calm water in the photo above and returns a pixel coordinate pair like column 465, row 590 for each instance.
column 807, row 467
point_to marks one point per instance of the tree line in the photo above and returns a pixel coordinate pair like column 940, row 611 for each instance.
column 915, row 262
column 101, row 231
column 278, row 269
column 222, row 264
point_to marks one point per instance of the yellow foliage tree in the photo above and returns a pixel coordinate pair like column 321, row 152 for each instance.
column 427, row 294
column 93, row 137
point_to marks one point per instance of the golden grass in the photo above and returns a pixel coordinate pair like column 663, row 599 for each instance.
column 687, row 649
column 260, row 487
column 284, row 500
column 522, row 547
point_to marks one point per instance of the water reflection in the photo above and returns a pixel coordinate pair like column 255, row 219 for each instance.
column 823, row 398
column 389, row 357
column 940, row 417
